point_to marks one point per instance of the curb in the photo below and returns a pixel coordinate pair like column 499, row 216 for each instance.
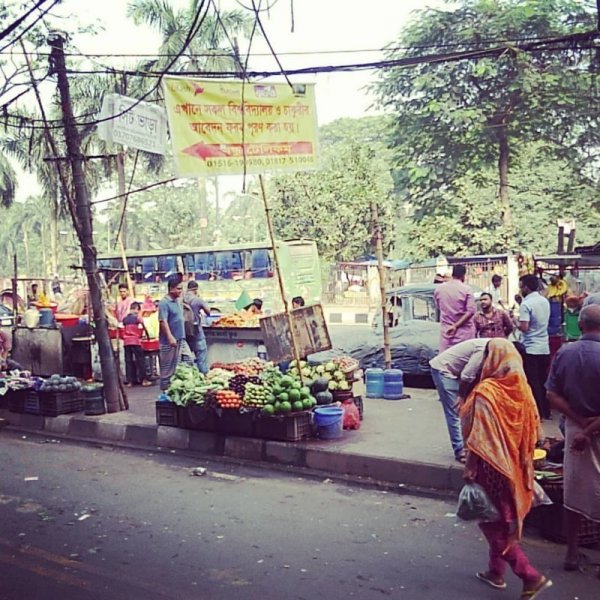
column 323, row 461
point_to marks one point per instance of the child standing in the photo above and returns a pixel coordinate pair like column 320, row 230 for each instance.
column 133, row 328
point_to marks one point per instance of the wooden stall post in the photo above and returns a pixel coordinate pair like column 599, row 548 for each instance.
column 279, row 278
column 14, row 288
column 387, row 353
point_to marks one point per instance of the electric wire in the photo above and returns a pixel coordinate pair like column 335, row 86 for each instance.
column 30, row 26
column 124, row 209
column 20, row 19
column 136, row 191
column 268, row 41
column 226, row 33
column 251, row 8
column 52, row 143
column 387, row 49
column 196, row 24
column 244, row 78
column 565, row 43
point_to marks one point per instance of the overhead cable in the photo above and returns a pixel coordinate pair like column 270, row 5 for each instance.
column 465, row 44
column 574, row 41
column 31, row 25
column 22, row 18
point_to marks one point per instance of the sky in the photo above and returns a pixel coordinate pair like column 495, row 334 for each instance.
column 326, row 32
column 319, row 26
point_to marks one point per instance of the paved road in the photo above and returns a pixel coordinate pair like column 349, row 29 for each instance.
column 99, row 523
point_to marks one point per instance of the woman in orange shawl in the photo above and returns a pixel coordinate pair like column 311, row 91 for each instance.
column 500, row 426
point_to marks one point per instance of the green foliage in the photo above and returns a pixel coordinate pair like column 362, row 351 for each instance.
column 451, row 119
column 467, row 220
column 333, row 205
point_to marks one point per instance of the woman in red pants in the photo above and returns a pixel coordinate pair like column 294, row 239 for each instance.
column 500, row 426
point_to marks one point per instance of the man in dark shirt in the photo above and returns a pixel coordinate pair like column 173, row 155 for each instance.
column 491, row 322
column 573, row 390
column 197, row 341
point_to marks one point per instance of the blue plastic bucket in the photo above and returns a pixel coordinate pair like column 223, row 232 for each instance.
column 46, row 317
column 374, row 383
column 329, row 422
column 393, row 384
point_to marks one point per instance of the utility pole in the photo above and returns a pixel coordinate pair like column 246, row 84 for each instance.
column 387, row 352
column 83, row 226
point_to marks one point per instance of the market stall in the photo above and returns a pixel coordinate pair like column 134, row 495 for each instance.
column 568, row 279
column 549, row 515
column 255, row 398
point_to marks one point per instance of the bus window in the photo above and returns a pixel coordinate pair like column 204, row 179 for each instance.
column 222, row 265
column 229, row 265
column 261, row 263
column 149, row 267
column 203, row 265
column 167, row 266
column 189, row 265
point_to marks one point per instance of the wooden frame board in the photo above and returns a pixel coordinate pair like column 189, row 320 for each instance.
column 310, row 329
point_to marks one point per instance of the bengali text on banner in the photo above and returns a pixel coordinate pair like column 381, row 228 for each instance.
column 217, row 127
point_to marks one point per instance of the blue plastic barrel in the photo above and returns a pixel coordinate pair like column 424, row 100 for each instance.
column 374, row 383
column 329, row 422
column 93, row 400
column 46, row 317
column 393, row 384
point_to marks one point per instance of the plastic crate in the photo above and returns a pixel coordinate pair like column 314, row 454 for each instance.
column 552, row 519
column 53, row 404
column 32, row 403
column 233, row 422
column 285, row 428
column 16, row 400
column 167, row 414
column 198, row 418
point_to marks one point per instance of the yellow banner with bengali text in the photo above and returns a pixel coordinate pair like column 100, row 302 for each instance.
column 230, row 127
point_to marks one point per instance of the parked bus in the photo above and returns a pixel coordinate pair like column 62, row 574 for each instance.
column 223, row 272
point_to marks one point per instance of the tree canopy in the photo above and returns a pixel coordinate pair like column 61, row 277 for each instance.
column 453, row 121
column 333, row 205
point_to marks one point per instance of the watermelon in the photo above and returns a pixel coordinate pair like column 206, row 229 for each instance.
column 324, row 398
column 319, row 385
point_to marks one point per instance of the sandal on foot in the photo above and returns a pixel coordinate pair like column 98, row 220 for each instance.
column 577, row 564
column 461, row 457
column 486, row 579
column 544, row 584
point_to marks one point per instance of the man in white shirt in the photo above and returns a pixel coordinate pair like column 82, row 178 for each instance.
column 494, row 291
column 454, row 371
column 534, row 315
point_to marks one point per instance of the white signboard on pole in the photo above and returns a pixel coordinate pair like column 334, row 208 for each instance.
column 132, row 123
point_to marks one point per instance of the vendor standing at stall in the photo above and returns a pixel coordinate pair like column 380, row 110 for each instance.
column 6, row 364
column 124, row 303
column 197, row 340
column 34, row 295
column 173, row 346
column 254, row 309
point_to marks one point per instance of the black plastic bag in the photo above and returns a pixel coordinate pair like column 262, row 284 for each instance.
column 474, row 504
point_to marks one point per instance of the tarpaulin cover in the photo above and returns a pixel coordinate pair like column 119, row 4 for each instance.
column 413, row 344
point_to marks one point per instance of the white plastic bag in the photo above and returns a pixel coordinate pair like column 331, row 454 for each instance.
column 540, row 498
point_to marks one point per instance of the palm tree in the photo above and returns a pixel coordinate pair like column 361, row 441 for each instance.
column 31, row 150
column 8, row 182
column 209, row 50
column 21, row 232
